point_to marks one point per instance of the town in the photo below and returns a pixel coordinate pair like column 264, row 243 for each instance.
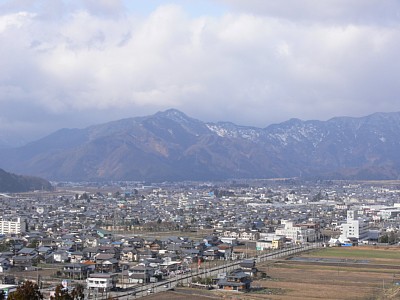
column 137, row 238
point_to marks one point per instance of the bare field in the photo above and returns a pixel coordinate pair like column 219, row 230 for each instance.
column 319, row 280
column 297, row 282
column 291, row 279
column 184, row 294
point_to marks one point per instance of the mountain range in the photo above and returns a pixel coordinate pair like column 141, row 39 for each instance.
column 171, row 146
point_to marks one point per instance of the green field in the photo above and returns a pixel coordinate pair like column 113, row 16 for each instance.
column 358, row 253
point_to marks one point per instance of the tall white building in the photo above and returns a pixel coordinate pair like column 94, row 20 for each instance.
column 15, row 226
column 354, row 227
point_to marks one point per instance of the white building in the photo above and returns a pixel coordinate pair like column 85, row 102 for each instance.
column 296, row 233
column 354, row 227
column 15, row 226
column 101, row 281
column 390, row 213
column 270, row 241
column 230, row 240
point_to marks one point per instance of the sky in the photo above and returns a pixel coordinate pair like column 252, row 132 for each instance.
column 75, row 63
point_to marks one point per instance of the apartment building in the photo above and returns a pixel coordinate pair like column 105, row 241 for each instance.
column 12, row 226
column 296, row 233
column 354, row 227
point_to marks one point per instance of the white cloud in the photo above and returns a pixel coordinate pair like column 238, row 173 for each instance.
column 254, row 65
column 326, row 11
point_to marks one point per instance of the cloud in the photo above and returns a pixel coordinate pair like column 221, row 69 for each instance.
column 256, row 64
column 327, row 11
column 104, row 7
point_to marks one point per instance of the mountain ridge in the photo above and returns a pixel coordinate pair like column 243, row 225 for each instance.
column 172, row 146
column 12, row 183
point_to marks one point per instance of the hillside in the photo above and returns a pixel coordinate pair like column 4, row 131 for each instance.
column 11, row 183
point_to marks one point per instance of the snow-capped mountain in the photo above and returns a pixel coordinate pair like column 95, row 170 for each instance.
column 170, row 145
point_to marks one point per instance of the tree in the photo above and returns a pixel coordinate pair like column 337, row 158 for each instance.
column 384, row 238
column 391, row 238
column 78, row 293
column 62, row 293
column 27, row 291
column 33, row 243
column 4, row 246
column 317, row 197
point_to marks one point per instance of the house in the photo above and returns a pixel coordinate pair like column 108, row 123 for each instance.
column 136, row 242
column 156, row 245
column 76, row 257
column 110, row 265
column 212, row 240
column 139, row 274
column 27, row 252
column 237, row 254
column 47, row 242
column 230, row 240
column 103, row 233
column 146, row 254
column 106, row 263
column 225, row 251
column 90, row 252
column 60, row 256
column 236, row 280
column 270, row 241
column 170, row 264
column 76, row 271
column 25, row 258
column 90, row 242
column 191, row 255
column 211, row 253
column 5, row 264
column 45, row 250
column 24, row 262
column 250, row 235
column 101, row 281
column 249, row 267
column 109, row 249
column 129, row 254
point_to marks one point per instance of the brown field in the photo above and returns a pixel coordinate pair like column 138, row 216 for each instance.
column 372, row 279
column 183, row 294
column 317, row 280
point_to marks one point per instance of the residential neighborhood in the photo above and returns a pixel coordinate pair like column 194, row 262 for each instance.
column 118, row 236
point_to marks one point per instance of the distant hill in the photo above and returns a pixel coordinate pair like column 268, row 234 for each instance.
column 170, row 146
column 9, row 140
column 11, row 183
